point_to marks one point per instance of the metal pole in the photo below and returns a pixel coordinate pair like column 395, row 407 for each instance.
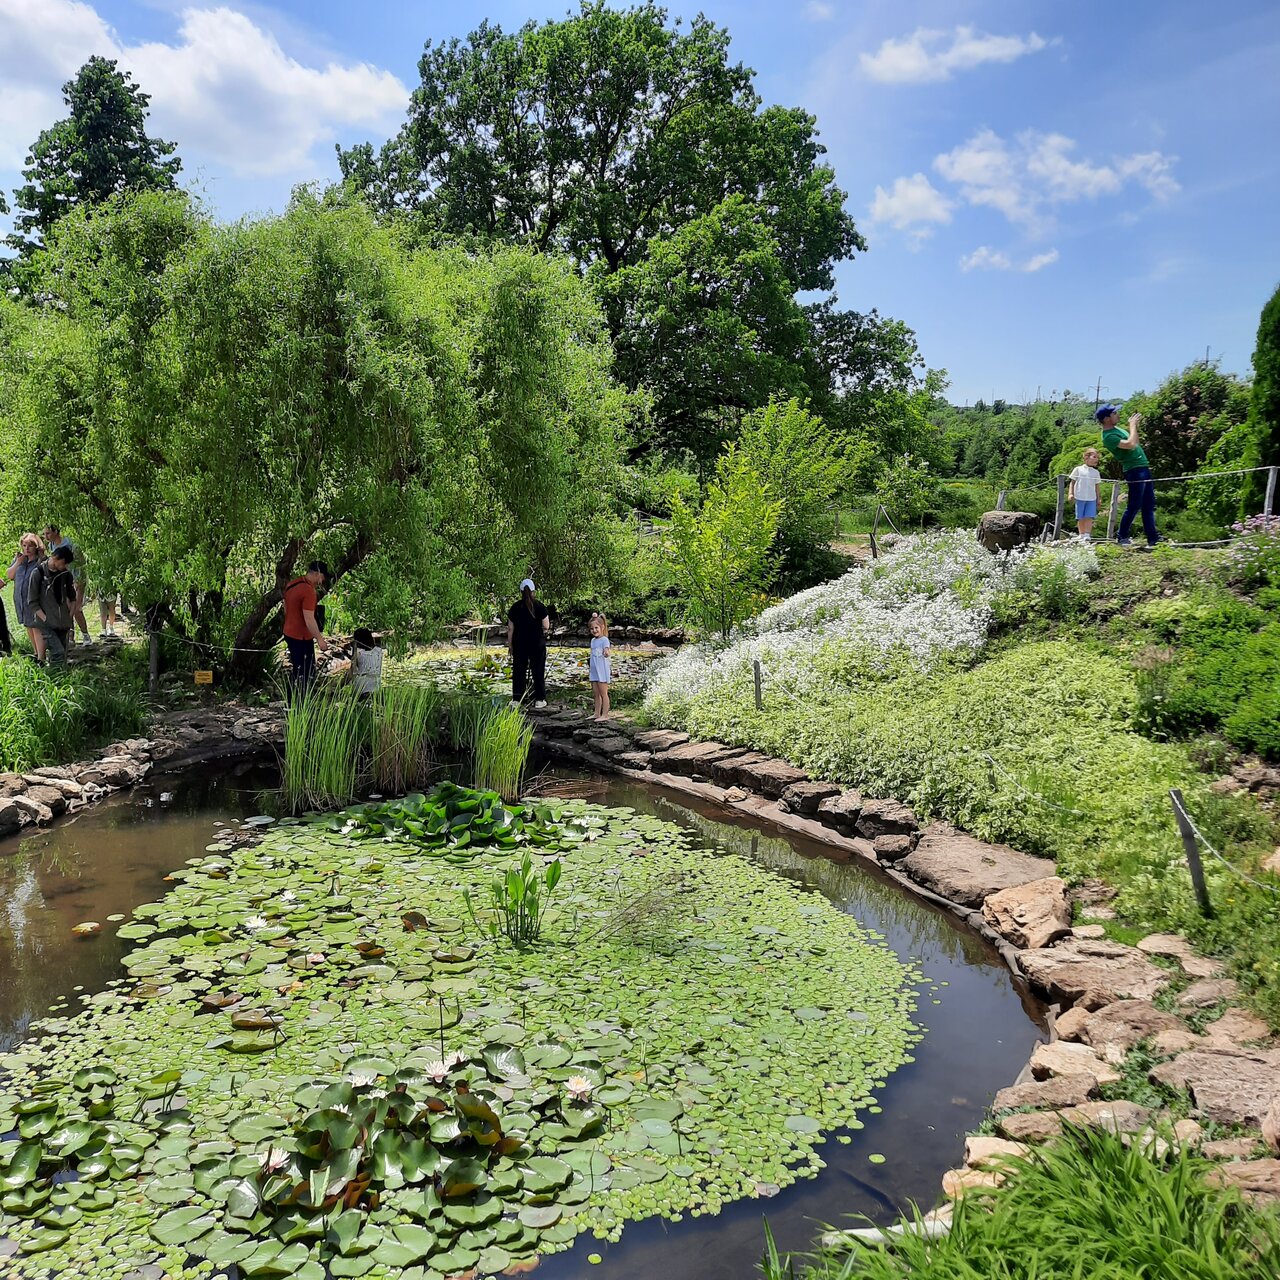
column 755, row 669
column 1268, row 503
column 1000, row 500
column 1057, row 512
column 1192, row 850
column 1115, row 504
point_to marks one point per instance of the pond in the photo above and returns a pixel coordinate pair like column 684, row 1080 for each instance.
column 978, row 1035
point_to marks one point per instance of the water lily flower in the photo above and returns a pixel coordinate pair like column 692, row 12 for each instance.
column 437, row 1070
column 273, row 1159
column 257, row 922
column 578, row 1088
column 360, row 1079
column 315, row 957
column 455, row 1059
column 342, row 1109
column 288, row 896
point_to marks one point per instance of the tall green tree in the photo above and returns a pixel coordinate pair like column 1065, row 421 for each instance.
column 208, row 407
column 1263, row 449
column 1187, row 413
column 100, row 149
column 634, row 145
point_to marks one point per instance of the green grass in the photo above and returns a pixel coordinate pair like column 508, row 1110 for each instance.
column 1085, row 1208
column 502, row 752
column 325, row 749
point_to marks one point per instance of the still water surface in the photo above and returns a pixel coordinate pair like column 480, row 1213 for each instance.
column 979, row 1027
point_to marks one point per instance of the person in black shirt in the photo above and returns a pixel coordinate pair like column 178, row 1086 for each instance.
column 527, row 626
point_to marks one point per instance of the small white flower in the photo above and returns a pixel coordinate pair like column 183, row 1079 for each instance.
column 273, row 1159
column 360, row 1079
column 257, row 922
column 342, row 1109
column 578, row 1088
column 288, row 896
column 455, row 1059
column 438, row 1070
column 315, row 957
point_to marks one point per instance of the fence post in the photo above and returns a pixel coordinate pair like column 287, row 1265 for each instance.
column 1268, row 503
column 755, row 670
column 875, row 524
column 1115, row 506
column 1000, row 500
column 153, row 665
column 1057, row 511
column 1192, row 850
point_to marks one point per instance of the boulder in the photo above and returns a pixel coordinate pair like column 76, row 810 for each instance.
column 1272, row 862
column 1172, row 945
column 70, row 790
column 891, row 848
column 1115, row 1029
column 724, row 770
column 1208, row 992
column 50, row 797
column 12, row 816
column 1271, row 1124
column 1061, row 1091
column 979, row 1150
column 1229, row 1088
column 1005, row 530
column 1093, row 972
column 692, row 757
column 1202, row 967
column 609, row 744
column 805, row 797
column 967, row 870
column 1070, row 1025
column 638, row 760
column 1088, row 931
column 1236, row 1028
column 1229, row 1148
column 886, row 818
column 955, row 1182
column 35, row 811
column 11, row 785
column 1256, row 1180
column 841, row 811
column 1030, row 1126
column 1115, row 1117
column 661, row 739
column 1175, row 1040
column 768, row 777
column 1063, row 1058
column 1030, row 915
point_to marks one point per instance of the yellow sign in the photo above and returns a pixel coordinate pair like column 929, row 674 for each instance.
column 204, row 677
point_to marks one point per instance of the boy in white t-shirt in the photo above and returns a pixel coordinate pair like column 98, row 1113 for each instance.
column 1083, row 491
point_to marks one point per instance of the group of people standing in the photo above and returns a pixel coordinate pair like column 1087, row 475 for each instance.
column 48, row 596
column 1085, row 480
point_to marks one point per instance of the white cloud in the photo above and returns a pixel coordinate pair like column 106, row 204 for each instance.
column 819, row 11
column 224, row 90
column 929, row 54
column 1028, row 178
column 985, row 258
column 913, row 204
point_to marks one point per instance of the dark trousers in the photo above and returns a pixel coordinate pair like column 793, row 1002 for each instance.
column 526, row 663
column 55, row 645
column 302, row 665
column 1142, row 497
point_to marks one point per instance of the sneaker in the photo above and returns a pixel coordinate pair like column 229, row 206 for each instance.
column 540, row 706
column 84, row 640
column 1124, row 542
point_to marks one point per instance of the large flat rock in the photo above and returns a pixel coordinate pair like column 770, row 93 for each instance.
column 1063, row 1059
column 1093, row 972
column 768, row 777
column 886, row 818
column 1030, row 915
column 1047, row 1095
column 1256, row 1180
column 968, row 870
column 1231, row 1088
column 692, row 757
column 1115, row 1030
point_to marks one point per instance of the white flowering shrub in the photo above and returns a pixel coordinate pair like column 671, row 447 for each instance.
column 931, row 598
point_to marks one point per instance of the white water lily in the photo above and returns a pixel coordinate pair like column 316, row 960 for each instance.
column 257, row 922
column 288, row 896
column 273, row 1159
column 578, row 1088
column 437, row 1071
column 455, row 1059
column 342, row 1109
column 315, row 957
column 360, row 1079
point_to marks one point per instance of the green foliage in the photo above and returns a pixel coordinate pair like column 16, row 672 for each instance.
column 1187, row 414
column 519, row 900
column 51, row 716
column 1100, row 1209
column 503, row 751
column 1263, row 446
column 1043, row 589
column 325, row 743
column 1217, row 499
column 1071, row 456
column 907, row 489
column 99, row 150
column 722, row 552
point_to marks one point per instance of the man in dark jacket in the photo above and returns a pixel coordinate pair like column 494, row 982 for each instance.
column 52, row 597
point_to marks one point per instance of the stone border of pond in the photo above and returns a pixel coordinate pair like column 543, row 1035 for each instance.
column 1100, row 994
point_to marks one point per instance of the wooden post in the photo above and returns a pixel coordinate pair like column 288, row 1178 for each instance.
column 1000, row 500
column 153, row 666
column 875, row 524
column 1115, row 505
column 1061, row 503
column 1192, row 850
column 755, row 670
column 1268, row 503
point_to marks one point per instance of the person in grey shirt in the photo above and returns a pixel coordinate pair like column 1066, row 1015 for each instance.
column 52, row 597
column 25, row 564
column 53, row 538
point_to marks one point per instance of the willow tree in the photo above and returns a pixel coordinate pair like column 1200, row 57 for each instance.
column 209, row 407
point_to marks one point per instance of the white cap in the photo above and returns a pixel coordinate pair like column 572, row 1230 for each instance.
column 528, row 582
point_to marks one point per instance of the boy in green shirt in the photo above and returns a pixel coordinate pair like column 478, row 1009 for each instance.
column 1124, row 447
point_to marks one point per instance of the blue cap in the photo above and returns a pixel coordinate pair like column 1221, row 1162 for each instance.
column 1105, row 411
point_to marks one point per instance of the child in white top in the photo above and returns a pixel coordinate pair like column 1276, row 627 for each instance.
column 600, row 666
column 1083, row 491
column 366, row 663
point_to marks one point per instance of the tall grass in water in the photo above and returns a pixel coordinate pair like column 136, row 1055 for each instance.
column 503, row 751
column 1086, row 1208
column 325, row 741
column 404, row 722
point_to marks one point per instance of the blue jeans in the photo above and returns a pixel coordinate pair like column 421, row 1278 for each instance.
column 1142, row 497
column 302, row 665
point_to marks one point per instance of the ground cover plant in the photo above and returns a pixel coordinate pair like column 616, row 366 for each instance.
column 319, row 1059
column 1086, row 1206
column 987, row 691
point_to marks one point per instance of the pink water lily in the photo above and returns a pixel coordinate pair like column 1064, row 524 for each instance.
column 315, row 957
column 578, row 1088
column 273, row 1159
column 437, row 1070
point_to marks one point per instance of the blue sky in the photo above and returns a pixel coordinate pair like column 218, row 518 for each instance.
column 1052, row 193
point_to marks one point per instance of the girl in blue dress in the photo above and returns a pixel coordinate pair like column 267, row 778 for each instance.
column 601, row 667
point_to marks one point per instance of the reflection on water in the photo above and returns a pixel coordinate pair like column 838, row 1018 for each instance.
column 116, row 855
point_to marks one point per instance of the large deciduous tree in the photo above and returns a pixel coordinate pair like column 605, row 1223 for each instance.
column 101, row 149
column 1263, row 449
column 635, row 146
column 209, row 407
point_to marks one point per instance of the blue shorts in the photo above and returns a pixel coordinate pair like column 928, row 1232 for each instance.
column 1086, row 510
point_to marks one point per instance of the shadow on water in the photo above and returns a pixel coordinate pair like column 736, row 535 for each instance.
column 979, row 1027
